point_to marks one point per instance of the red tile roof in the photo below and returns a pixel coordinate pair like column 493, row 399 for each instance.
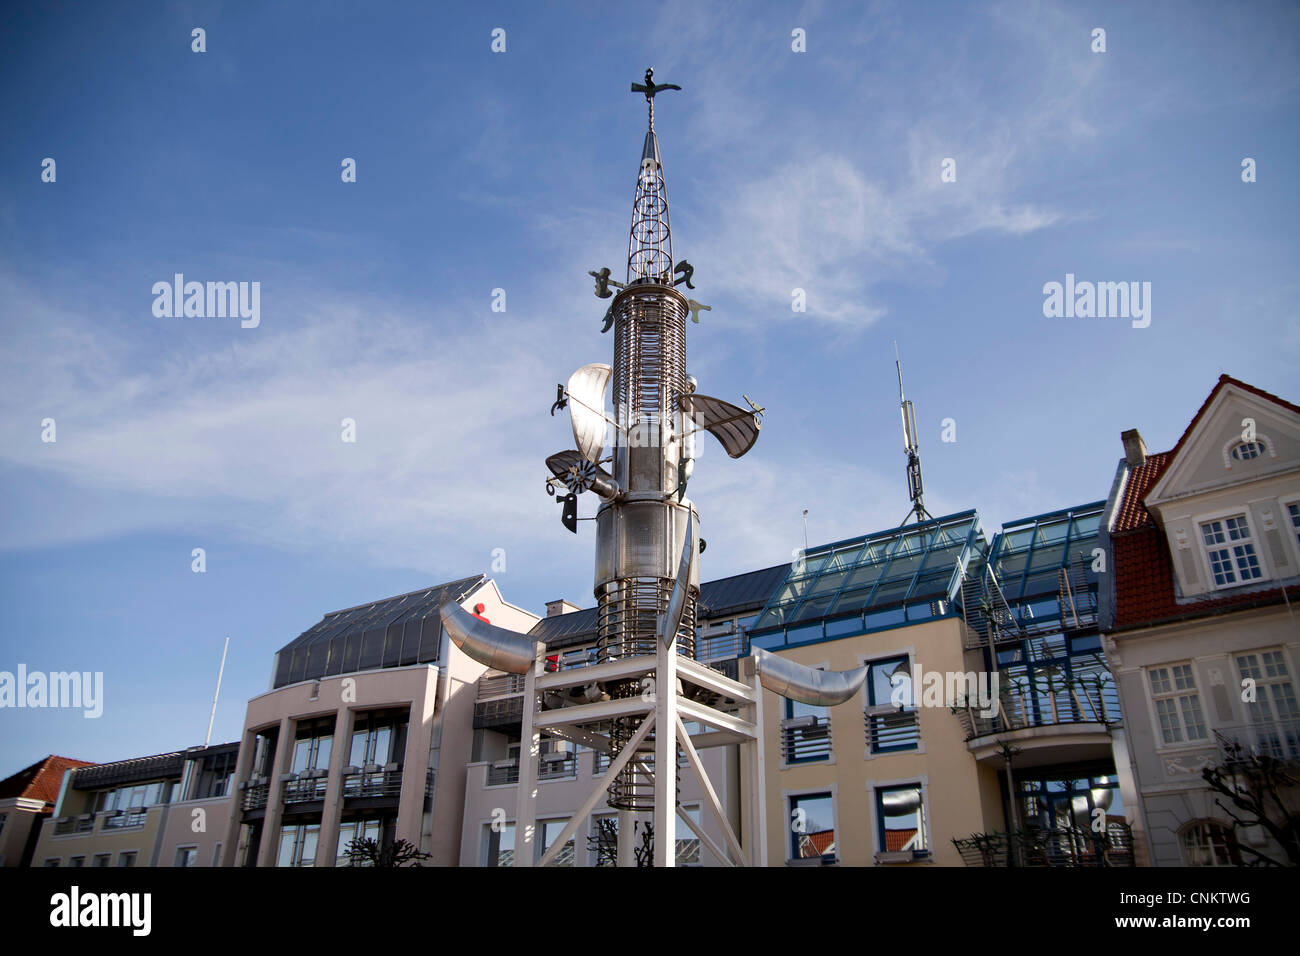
column 40, row 781
column 817, row 844
column 1144, row 573
column 898, row 839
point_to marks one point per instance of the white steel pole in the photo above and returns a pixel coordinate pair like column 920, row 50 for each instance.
column 213, row 716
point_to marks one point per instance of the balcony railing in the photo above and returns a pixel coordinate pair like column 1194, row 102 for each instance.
column 500, row 685
column 503, row 773
column 557, row 765
column 304, row 789
column 125, row 819
column 82, row 824
column 375, row 783
column 1081, row 700
column 1064, row 847
column 722, row 647
column 256, row 795
column 806, row 738
column 1263, row 738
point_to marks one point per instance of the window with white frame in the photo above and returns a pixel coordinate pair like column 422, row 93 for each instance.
column 1293, row 512
column 76, row 861
column 1230, row 550
column 1274, row 714
column 101, row 860
column 1177, row 703
column 1209, row 844
column 187, row 856
column 1245, row 451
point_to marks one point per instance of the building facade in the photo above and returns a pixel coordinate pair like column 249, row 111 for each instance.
column 365, row 735
column 1200, row 623
column 27, row 799
column 164, row 810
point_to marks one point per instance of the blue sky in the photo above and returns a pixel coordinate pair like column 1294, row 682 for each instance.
column 478, row 170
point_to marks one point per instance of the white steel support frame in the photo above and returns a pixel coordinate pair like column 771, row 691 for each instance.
column 665, row 811
column 529, row 746
column 664, row 709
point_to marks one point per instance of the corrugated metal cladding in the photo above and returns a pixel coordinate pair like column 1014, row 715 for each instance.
column 394, row 632
column 724, row 597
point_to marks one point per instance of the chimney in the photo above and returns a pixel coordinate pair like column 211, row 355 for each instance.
column 1135, row 449
column 560, row 606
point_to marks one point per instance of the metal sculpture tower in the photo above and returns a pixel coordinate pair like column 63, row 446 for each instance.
column 633, row 703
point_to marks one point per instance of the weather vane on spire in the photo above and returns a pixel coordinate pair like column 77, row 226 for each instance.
column 650, row 88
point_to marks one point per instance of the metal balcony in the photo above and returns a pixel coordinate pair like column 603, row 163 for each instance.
column 1082, row 700
column 1040, row 847
column 305, row 788
column 366, row 782
column 124, row 819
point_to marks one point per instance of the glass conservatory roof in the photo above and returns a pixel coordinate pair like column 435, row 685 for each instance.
column 879, row 579
column 1028, row 555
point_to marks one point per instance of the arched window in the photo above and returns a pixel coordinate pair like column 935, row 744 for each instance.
column 1210, row 844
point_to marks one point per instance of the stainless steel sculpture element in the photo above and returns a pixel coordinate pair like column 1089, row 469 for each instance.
column 644, row 687
column 486, row 643
column 586, row 393
column 677, row 600
column 807, row 684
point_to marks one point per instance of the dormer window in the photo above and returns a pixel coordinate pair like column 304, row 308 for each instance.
column 1247, row 450
column 1231, row 551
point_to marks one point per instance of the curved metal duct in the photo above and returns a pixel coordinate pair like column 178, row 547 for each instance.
column 899, row 803
column 807, row 685
column 677, row 599
column 486, row 643
column 587, row 408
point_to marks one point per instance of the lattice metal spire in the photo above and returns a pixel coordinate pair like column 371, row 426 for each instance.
column 650, row 247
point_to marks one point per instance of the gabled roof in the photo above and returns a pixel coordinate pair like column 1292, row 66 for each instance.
column 1225, row 380
column 1143, row 572
column 40, row 781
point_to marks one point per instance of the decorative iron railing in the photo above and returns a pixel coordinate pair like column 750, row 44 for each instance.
column 1092, row 699
column 1057, row 847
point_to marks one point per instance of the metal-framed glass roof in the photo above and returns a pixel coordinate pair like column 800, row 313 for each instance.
column 1028, row 555
column 882, row 579
column 394, row 632
column 1047, row 559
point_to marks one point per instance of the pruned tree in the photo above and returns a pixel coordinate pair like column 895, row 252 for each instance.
column 369, row 852
column 604, row 842
column 1257, row 788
